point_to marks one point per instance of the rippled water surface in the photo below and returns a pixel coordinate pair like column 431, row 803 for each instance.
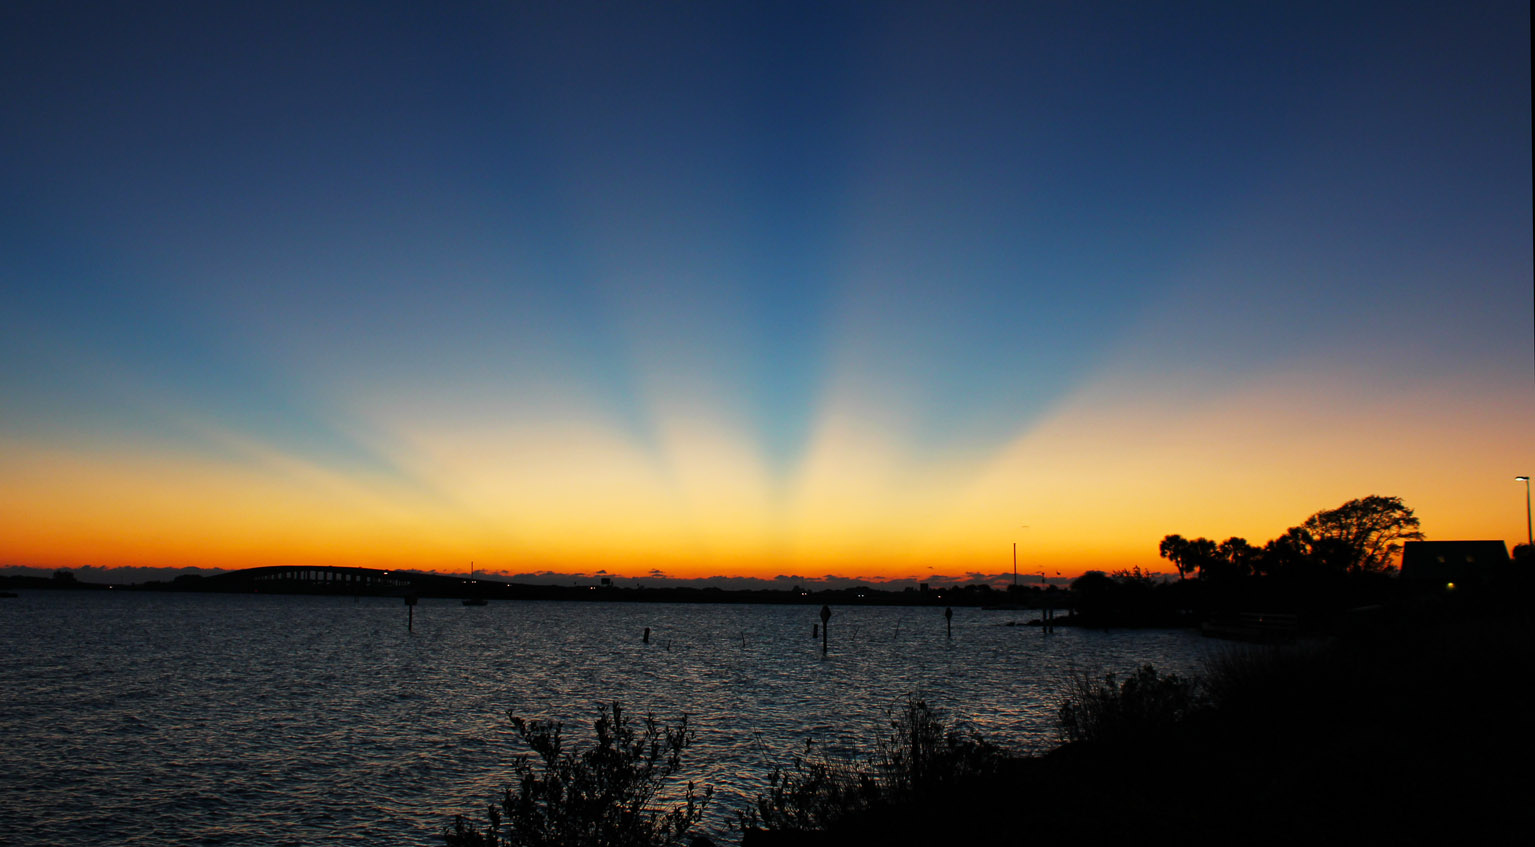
column 138, row 718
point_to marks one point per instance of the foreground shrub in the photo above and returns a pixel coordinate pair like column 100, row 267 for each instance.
column 918, row 760
column 612, row 795
column 1143, row 704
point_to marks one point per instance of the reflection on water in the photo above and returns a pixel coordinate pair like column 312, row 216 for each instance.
column 172, row 718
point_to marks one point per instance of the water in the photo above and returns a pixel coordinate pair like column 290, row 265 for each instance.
column 151, row 719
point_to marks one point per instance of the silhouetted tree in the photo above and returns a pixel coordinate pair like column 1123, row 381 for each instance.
column 1364, row 535
column 1203, row 555
column 1091, row 582
column 1233, row 559
column 1175, row 548
column 1093, row 594
column 1196, row 555
column 1132, row 576
column 1286, row 555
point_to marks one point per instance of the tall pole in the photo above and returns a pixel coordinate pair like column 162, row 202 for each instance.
column 1015, row 557
column 1529, row 529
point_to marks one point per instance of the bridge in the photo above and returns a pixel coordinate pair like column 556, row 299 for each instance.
column 316, row 579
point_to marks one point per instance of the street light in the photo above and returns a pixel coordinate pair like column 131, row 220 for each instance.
column 1529, row 529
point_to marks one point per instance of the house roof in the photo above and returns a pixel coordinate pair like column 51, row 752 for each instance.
column 1450, row 560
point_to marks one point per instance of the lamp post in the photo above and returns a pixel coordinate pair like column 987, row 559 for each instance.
column 1529, row 529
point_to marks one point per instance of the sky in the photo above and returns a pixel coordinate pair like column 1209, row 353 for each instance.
column 875, row 290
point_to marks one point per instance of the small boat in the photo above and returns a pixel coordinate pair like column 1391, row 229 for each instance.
column 475, row 601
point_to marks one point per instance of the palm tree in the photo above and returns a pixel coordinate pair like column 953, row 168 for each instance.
column 1175, row 549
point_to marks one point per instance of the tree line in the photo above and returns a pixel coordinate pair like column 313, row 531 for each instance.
column 1362, row 536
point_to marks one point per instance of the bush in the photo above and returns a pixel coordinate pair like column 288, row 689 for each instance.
column 608, row 796
column 917, row 760
column 1144, row 704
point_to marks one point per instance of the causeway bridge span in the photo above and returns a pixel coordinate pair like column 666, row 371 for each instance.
column 316, row 579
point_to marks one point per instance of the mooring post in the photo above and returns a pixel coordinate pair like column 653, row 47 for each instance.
column 948, row 618
column 647, row 635
column 825, row 618
column 410, row 606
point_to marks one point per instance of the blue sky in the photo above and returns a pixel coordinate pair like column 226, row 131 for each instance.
column 810, row 251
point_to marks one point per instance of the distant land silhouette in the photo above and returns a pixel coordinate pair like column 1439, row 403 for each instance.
column 139, row 576
column 1310, row 580
column 400, row 583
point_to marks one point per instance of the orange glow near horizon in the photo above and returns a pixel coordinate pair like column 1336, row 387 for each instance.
column 1097, row 484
